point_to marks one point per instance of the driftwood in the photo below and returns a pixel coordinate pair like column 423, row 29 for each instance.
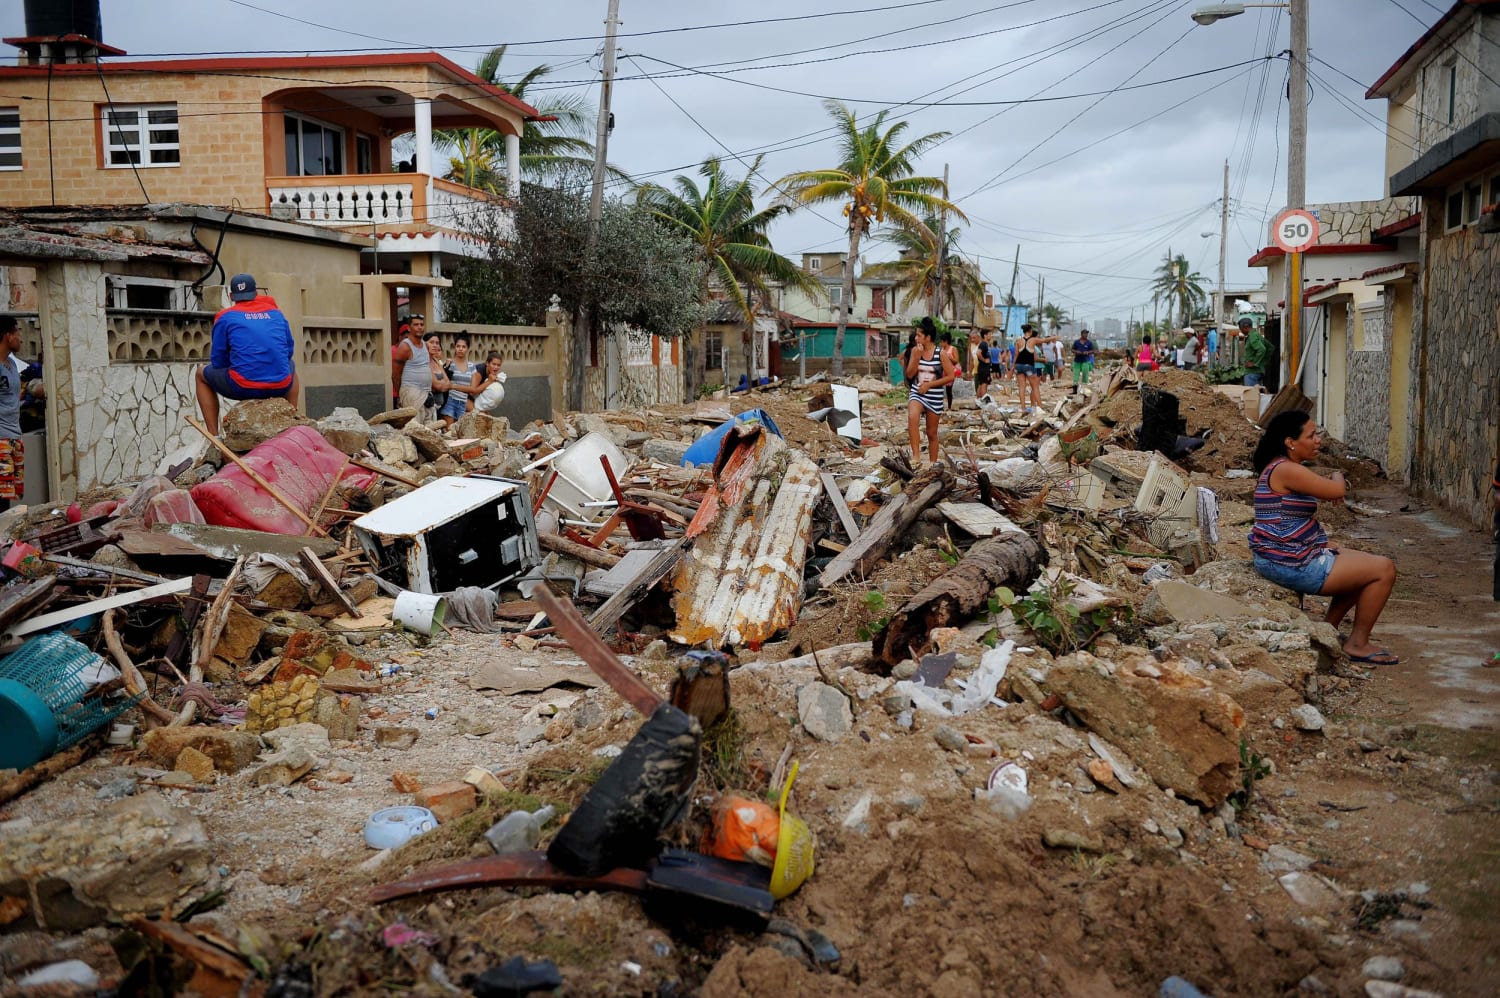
column 576, row 551
column 135, row 683
column 1009, row 559
column 893, row 520
column 48, row 768
column 702, row 690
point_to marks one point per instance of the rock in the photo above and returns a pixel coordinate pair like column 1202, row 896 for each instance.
column 824, row 712
column 250, row 424
column 284, row 768
column 590, row 422
column 483, row 426
column 67, row 972
column 240, row 637
column 1177, row 728
column 430, row 443
column 1238, row 578
column 351, row 681
column 279, row 704
column 394, row 417
column 905, row 669
column 136, row 856
column 896, row 703
column 484, row 781
column 311, row 737
column 1176, row 602
column 394, row 449
column 1254, row 690
column 197, row 765
column 1383, row 968
column 558, row 729
column 115, row 789
column 1308, row 718
column 175, row 779
column 949, row 739
column 396, row 738
column 1387, row 989
column 466, row 724
column 1066, row 838
column 114, row 556
column 345, row 429
column 448, row 800
column 656, row 651
column 407, row 783
column 230, row 751
column 662, row 451
column 1309, row 891
column 1280, row 859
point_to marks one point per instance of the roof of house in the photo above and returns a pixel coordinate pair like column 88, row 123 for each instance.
column 1393, row 75
column 1396, row 228
column 21, row 237
column 281, row 63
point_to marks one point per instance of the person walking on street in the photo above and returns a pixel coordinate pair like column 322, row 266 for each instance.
column 952, row 356
column 1029, row 352
column 1290, row 547
column 1211, row 346
column 250, row 356
column 1083, row 359
column 1256, row 349
column 928, row 370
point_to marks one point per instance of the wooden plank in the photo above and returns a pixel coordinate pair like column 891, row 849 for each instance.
column 893, row 520
column 375, row 614
column 846, row 517
column 72, row 613
column 579, row 552
column 975, row 518
column 615, row 607
column 319, row 571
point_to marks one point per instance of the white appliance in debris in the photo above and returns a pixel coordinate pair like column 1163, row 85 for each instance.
column 453, row 532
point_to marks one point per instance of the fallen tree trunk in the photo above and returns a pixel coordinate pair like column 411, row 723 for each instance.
column 893, row 520
column 1010, row 558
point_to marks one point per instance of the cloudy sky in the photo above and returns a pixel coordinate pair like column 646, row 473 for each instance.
column 1093, row 189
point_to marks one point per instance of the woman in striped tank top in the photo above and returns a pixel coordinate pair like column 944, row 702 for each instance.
column 1291, row 549
column 928, row 372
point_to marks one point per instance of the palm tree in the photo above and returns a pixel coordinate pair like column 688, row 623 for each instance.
column 1054, row 315
column 875, row 181
column 721, row 218
column 550, row 149
column 1177, row 283
column 922, row 260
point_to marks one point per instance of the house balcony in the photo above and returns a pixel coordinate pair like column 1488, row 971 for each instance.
column 384, row 202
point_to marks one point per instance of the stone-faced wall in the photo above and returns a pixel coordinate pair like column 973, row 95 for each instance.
column 1346, row 223
column 1458, row 389
column 1367, row 401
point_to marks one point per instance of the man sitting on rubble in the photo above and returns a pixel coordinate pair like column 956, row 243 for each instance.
column 251, row 356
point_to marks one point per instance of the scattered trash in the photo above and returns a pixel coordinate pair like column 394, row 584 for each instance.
column 392, row 827
column 519, row 831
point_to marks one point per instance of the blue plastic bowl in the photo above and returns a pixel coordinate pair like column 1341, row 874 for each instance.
column 30, row 729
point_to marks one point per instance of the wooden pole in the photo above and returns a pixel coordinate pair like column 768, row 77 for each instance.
column 255, row 477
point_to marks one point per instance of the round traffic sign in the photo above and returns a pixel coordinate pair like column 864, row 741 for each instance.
column 1295, row 230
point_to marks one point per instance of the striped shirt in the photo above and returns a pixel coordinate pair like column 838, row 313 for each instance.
column 932, row 399
column 1285, row 530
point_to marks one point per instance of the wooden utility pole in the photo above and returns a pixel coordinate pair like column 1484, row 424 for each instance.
column 583, row 324
column 1223, row 249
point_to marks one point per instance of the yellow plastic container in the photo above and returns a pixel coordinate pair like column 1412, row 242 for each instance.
column 795, row 846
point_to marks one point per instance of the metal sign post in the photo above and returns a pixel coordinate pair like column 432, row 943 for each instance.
column 1294, row 231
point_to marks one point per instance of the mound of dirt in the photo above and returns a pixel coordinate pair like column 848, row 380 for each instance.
column 1231, row 437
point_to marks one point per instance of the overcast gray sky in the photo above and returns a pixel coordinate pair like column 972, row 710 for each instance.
column 1107, row 193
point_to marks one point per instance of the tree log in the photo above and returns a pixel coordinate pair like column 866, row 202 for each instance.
column 578, row 552
column 893, row 520
column 48, row 768
column 1009, row 559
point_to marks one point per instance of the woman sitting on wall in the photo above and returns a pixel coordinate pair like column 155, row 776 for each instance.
column 1290, row 547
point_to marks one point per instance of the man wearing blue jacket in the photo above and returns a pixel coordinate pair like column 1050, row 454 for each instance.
column 251, row 357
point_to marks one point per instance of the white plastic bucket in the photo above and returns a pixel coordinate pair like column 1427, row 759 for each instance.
column 420, row 612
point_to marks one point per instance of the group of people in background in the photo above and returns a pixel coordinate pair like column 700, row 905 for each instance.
column 439, row 387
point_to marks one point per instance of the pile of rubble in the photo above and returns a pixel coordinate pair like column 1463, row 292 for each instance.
column 1037, row 647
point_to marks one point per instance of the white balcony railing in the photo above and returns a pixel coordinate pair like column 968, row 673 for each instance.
column 345, row 201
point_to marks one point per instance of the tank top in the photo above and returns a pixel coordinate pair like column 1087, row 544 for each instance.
column 1285, row 530
column 932, row 399
column 1023, row 352
column 418, row 370
column 1143, row 356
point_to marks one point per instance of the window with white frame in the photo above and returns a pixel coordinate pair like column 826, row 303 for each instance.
column 815, row 263
column 129, row 291
column 313, row 148
column 836, row 295
column 138, row 135
column 10, row 138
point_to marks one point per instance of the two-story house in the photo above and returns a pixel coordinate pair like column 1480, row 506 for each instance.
column 1443, row 148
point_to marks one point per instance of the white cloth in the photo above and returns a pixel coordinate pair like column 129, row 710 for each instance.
column 487, row 400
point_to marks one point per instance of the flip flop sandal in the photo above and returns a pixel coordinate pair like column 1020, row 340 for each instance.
column 1381, row 657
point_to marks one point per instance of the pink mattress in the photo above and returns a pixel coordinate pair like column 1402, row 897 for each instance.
column 297, row 461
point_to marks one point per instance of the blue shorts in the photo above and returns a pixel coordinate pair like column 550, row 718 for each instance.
column 455, row 406
column 218, row 380
column 1308, row 579
column 1026, row 369
column 1253, row 379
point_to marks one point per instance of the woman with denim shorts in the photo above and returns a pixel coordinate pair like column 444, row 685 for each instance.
column 1290, row 547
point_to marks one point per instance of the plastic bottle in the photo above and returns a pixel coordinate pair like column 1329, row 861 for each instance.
column 519, row 831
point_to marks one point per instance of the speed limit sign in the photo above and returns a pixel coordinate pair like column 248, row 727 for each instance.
column 1295, row 230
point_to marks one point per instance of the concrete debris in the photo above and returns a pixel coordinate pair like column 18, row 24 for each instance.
column 824, row 712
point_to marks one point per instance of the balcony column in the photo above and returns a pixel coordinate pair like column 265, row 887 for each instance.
column 513, row 165
column 422, row 121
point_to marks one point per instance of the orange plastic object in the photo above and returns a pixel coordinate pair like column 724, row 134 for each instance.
column 743, row 830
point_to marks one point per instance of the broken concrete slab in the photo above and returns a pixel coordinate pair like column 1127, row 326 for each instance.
column 311, row 737
column 430, row 443
column 395, row 449
column 509, row 679
column 230, row 543
column 345, row 429
column 284, row 768
column 1237, row 577
column 1176, row 727
column 1175, row 602
column 664, row 451
column 137, row 856
column 396, row 418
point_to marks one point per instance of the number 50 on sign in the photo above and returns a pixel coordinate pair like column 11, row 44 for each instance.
column 1295, row 230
